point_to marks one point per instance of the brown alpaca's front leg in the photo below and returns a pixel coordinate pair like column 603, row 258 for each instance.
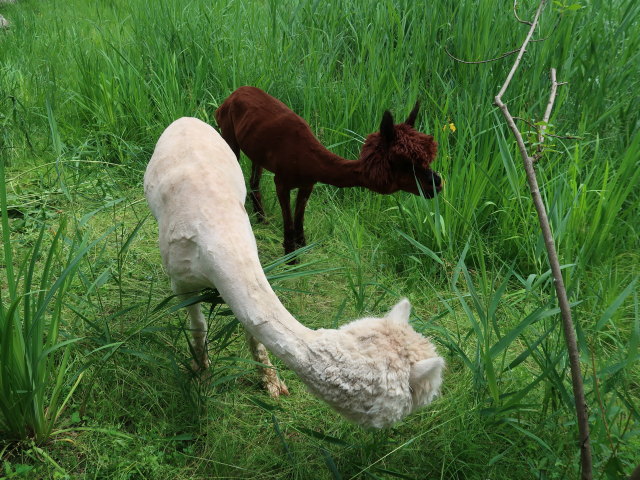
column 274, row 386
column 283, row 193
column 298, row 220
column 256, row 196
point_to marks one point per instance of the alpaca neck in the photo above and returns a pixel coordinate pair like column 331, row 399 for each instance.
column 340, row 172
column 249, row 295
column 334, row 170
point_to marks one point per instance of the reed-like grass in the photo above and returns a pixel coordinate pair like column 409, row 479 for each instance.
column 87, row 87
column 36, row 368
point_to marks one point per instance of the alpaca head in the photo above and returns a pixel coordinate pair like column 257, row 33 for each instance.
column 399, row 157
column 375, row 371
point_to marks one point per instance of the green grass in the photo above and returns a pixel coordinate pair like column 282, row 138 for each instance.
column 86, row 88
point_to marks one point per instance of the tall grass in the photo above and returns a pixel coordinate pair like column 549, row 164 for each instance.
column 35, row 363
column 87, row 87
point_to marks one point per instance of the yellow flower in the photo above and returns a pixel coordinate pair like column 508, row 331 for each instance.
column 451, row 125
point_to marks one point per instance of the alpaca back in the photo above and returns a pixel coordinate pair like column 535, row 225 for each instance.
column 192, row 168
column 269, row 133
column 195, row 189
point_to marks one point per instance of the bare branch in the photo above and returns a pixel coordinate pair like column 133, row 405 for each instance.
column 552, row 31
column 481, row 61
column 528, row 122
column 547, row 115
column 498, row 98
column 561, row 293
column 515, row 12
column 511, row 52
column 552, row 135
column 552, row 99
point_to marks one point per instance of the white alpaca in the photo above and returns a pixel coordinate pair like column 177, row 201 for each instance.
column 374, row 371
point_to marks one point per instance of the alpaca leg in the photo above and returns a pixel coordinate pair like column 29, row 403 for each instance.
column 287, row 221
column 298, row 218
column 274, row 386
column 198, row 327
column 256, row 196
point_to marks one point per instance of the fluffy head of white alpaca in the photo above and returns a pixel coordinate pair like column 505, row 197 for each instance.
column 374, row 371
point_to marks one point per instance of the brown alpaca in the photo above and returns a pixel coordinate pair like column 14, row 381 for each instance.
column 398, row 157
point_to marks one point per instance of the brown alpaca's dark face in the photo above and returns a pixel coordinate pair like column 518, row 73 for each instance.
column 402, row 156
column 411, row 154
column 419, row 181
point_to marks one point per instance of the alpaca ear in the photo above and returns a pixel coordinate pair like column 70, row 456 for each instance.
column 400, row 312
column 428, row 370
column 387, row 131
column 411, row 119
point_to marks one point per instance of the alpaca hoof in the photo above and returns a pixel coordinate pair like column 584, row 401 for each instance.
column 200, row 366
column 290, row 247
column 273, row 384
column 276, row 387
column 293, row 261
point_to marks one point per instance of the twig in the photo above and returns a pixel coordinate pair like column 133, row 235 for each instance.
column 552, row 98
column 544, row 38
column 515, row 12
column 526, row 22
column 481, row 61
column 547, row 115
column 520, row 55
column 552, row 135
column 511, row 52
column 563, row 302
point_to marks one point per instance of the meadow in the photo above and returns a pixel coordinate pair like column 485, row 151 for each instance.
column 94, row 364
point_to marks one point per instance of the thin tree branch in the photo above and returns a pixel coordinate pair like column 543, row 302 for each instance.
column 552, row 135
column 547, row 115
column 563, row 301
column 552, row 99
column 511, row 52
column 481, row 61
column 520, row 54
column 544, row 38
column 515, row 12
column 526, row 22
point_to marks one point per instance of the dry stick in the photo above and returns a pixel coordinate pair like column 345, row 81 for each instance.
column 552, row 135
column 515, row 12
column 563, row 302
column 547, row 114
column 505, row 54
column 480, row 61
